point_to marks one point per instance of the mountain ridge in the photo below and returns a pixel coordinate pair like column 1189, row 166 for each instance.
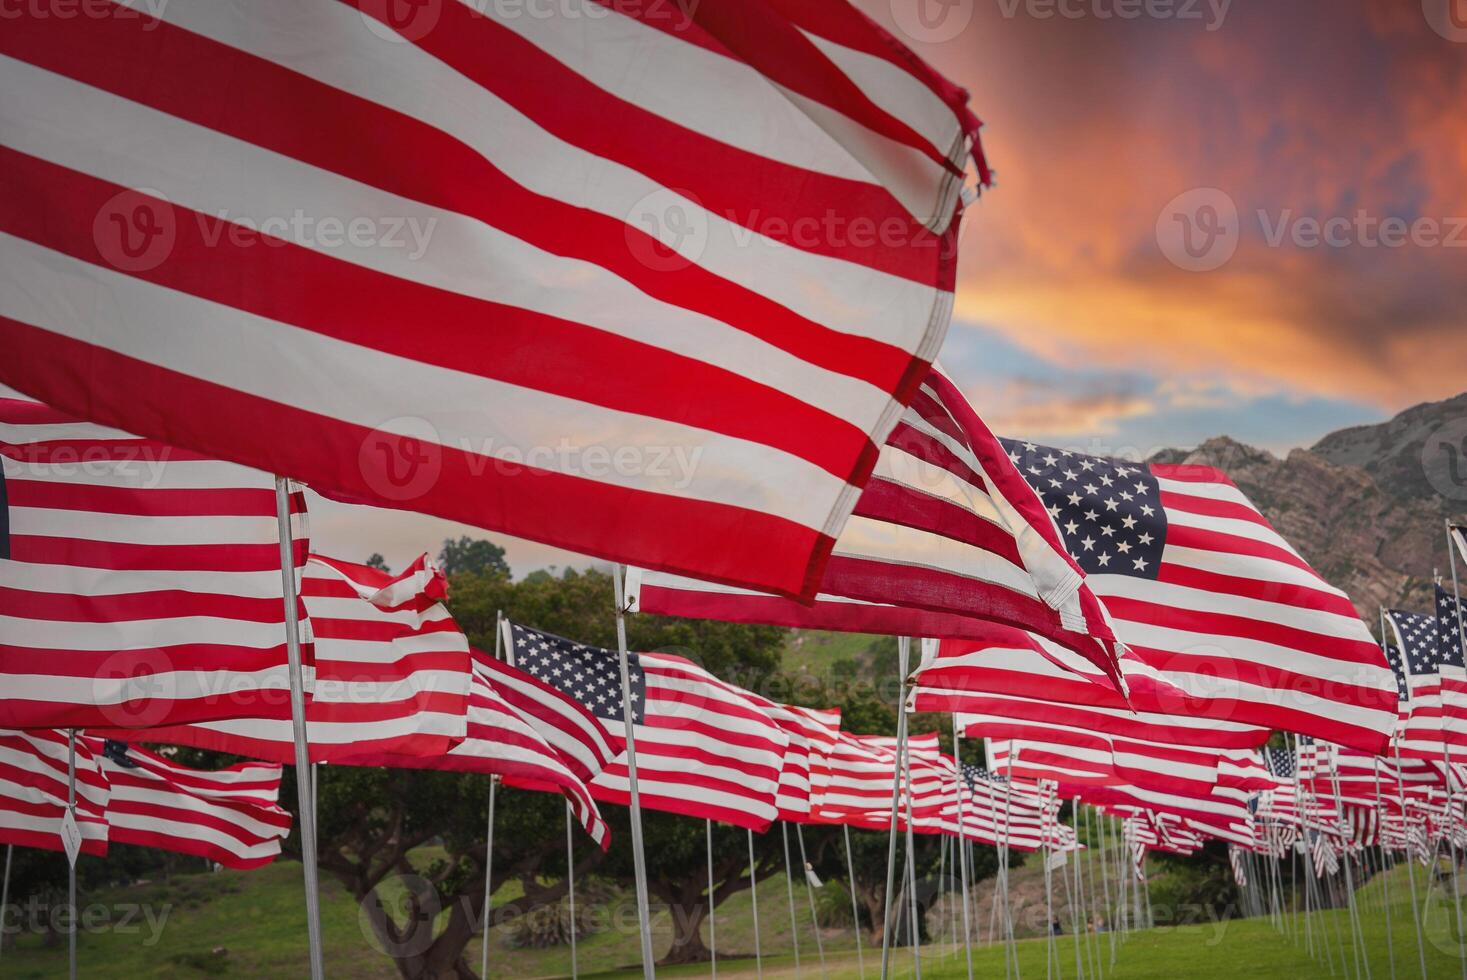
column 1364, row 505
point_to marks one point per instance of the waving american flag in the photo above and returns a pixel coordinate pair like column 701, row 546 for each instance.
column 1202, row 588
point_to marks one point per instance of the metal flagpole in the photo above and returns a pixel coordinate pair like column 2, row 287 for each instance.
column 1384, row 874
column 1102, row 821
column 754, row 902
column 855, row 910
column 1011, row 951
column 5, row 893
column 639, row 857
column 570, row 882
column 712, row 926
column 810, row 894
column 298, row 725
column 1451, row 804
column 906, row 776
column 488, row 874
column 1076, row 906
column 71, row 854
column 489, row 834
column 903, row 651
column 789, row 887
column 962, row 850
column 1410, row 861
column 1356, row 933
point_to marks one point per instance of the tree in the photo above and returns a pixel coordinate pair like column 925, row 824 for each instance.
column 379, row 563
column 375, row 823
column 472, row 556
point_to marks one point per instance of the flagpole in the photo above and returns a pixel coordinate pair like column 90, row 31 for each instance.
column 789, row 886
column 903, row 651
column 5, row 893
column 1048, row 891
column 1384, row 874
column 810, row 893
column 489, row 833
column 1410, row 861
column 1451, row 804
column 1077, row 907
column 1011, row 949
column 962, row 854
column 906, row 776
column 488, row 874
column 754, row 902
column 298, row 727
column 712, row 927
column 570, row 881
column 71, row 856
column 1356, row 934
column 855, row 909
column 639, row 859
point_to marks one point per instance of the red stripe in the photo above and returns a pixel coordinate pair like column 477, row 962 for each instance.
column 1298, row 596
column 900, row 504
column 136, row 607
column 1209, row 624
column 1203, row 539
column 1212, row 507
column 58, row 494
column 120, row 556
column 715, row 542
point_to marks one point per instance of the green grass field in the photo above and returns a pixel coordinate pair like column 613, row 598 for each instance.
column 255, row 923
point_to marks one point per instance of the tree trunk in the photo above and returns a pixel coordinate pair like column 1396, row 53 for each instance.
column 687, row 938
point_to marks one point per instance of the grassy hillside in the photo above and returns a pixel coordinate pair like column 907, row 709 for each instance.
column 255, row 922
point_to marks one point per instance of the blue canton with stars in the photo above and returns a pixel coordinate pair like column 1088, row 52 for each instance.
column 1448, row 627
column 1419, row 635
column 1280, row 762
column 977, row 775
column 1109, row 511
column 117, row 752
column 1393, row 657
column 585, row 673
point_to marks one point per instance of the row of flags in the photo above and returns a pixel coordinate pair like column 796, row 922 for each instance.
column 129, row 795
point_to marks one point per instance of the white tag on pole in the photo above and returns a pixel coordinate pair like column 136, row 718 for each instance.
column 812, row 878
column 1056, row 859
column 71, row 836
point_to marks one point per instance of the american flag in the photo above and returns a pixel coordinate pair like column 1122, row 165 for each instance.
column 1420, row 638
column 392, row 672
column 1027, row 679
column 139, row 584
column 587, row 236
column 1450, row 667
column 503, row 741
column 230, row 816
column 703, row 749
column 34, row 793
column 997, row 811
column 946, row 540
column 585, row 743
column 1202, row 588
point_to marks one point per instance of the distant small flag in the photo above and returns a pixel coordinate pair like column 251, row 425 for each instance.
column 230, row 816
column 703, row 748
column 34, row 791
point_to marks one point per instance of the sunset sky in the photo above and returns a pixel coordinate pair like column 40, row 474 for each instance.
column 1074, row 326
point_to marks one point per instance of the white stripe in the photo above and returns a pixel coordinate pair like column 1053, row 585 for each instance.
column 87, row 582
column 147, row 470
column 169, row 530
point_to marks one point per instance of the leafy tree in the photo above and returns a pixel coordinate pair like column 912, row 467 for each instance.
column 378, row 562
column 472, row 556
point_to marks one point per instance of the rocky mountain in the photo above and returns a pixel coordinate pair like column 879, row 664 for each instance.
column 1364, row 505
